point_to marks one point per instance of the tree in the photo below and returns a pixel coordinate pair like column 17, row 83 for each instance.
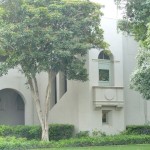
column 48, row 36
column 135, row 17
column 136, row 22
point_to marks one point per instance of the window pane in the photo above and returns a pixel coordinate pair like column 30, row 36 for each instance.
column 103, row 55
column 103, row 75
column 106, row 116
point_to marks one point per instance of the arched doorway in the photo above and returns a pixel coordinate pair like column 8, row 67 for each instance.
column 11, row 107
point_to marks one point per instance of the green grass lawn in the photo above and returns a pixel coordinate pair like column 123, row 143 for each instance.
column 125, row 147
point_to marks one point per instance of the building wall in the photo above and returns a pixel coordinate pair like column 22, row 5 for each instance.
column 77, row 104
column 16, row 81
column 136, row 108
column 115, row 41
column 84, row 103
column 66, row 108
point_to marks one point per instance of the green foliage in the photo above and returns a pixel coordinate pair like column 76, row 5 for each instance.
column 98, row 133
column 60, row 131
column 51, row 35
column 103, row 141
column 82, row 134
column 136, row 22
column 135, row 17
column 138, row 130
column 140, row 79
column 56, row 131
column 12, row 143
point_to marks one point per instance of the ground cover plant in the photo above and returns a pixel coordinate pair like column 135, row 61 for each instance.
column 8, row 141
column 12, row 143
column 124, row 147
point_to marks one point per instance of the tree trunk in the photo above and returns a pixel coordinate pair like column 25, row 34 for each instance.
column 42, row 114
column 45, row 133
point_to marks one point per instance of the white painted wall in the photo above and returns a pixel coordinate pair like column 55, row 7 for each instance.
column 137, row 109
column 66, row 109
column 16, row 81
column 76, row 105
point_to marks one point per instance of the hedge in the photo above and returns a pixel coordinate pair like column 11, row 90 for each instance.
column 138, row 129
column 12, row 143
column 56, row 131
column 105, row 141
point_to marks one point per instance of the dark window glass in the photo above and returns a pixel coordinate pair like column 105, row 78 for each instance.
column 104, row 117
column 103, row 55
column 103, row 75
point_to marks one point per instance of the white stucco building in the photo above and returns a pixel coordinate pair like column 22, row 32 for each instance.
column 104, row 102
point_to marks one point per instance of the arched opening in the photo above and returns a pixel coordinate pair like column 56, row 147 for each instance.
column 12, row 107
column 105, row 68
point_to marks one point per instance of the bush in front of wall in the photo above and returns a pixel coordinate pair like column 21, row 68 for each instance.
column 60, row 131
column 98, row 133
column 6, row 130
column 56, row 131
column 105, row 141
column 137, row 129
column 13, row 143
column 29, row 132
column 82, row 134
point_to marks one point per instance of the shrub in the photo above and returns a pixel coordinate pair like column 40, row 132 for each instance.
column 12, row 143
column 138, row 130
column 56, row 131
column 98, row 133
column 103, row 141
column 60, row 131
column 29, row 132
column 6, row 130
column 82, row 134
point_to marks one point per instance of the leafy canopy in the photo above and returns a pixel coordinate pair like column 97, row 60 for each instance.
column 135, row 17
column 136, row 22
column 49, row 35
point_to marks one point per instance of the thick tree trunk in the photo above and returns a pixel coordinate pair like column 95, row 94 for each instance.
column 42, row 114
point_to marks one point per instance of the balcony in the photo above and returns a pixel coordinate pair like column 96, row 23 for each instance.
column 108, row 97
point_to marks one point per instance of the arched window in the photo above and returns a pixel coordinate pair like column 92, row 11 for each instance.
column 105, row 68
column 103, row 55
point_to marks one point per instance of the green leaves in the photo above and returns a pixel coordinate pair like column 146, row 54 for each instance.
column 44, row 35
column 135, row 17
column 136, row 21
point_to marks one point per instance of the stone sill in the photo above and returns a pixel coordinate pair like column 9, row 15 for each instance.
column 100, row 104
column 108, row 87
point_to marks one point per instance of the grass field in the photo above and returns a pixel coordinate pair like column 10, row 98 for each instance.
column 125, row 147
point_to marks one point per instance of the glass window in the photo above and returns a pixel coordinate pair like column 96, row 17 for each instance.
column 106, row 117
column 103, row 55
column 103, row 75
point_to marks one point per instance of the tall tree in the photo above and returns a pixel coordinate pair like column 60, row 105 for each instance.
column 48, row 36
column 136, row 22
